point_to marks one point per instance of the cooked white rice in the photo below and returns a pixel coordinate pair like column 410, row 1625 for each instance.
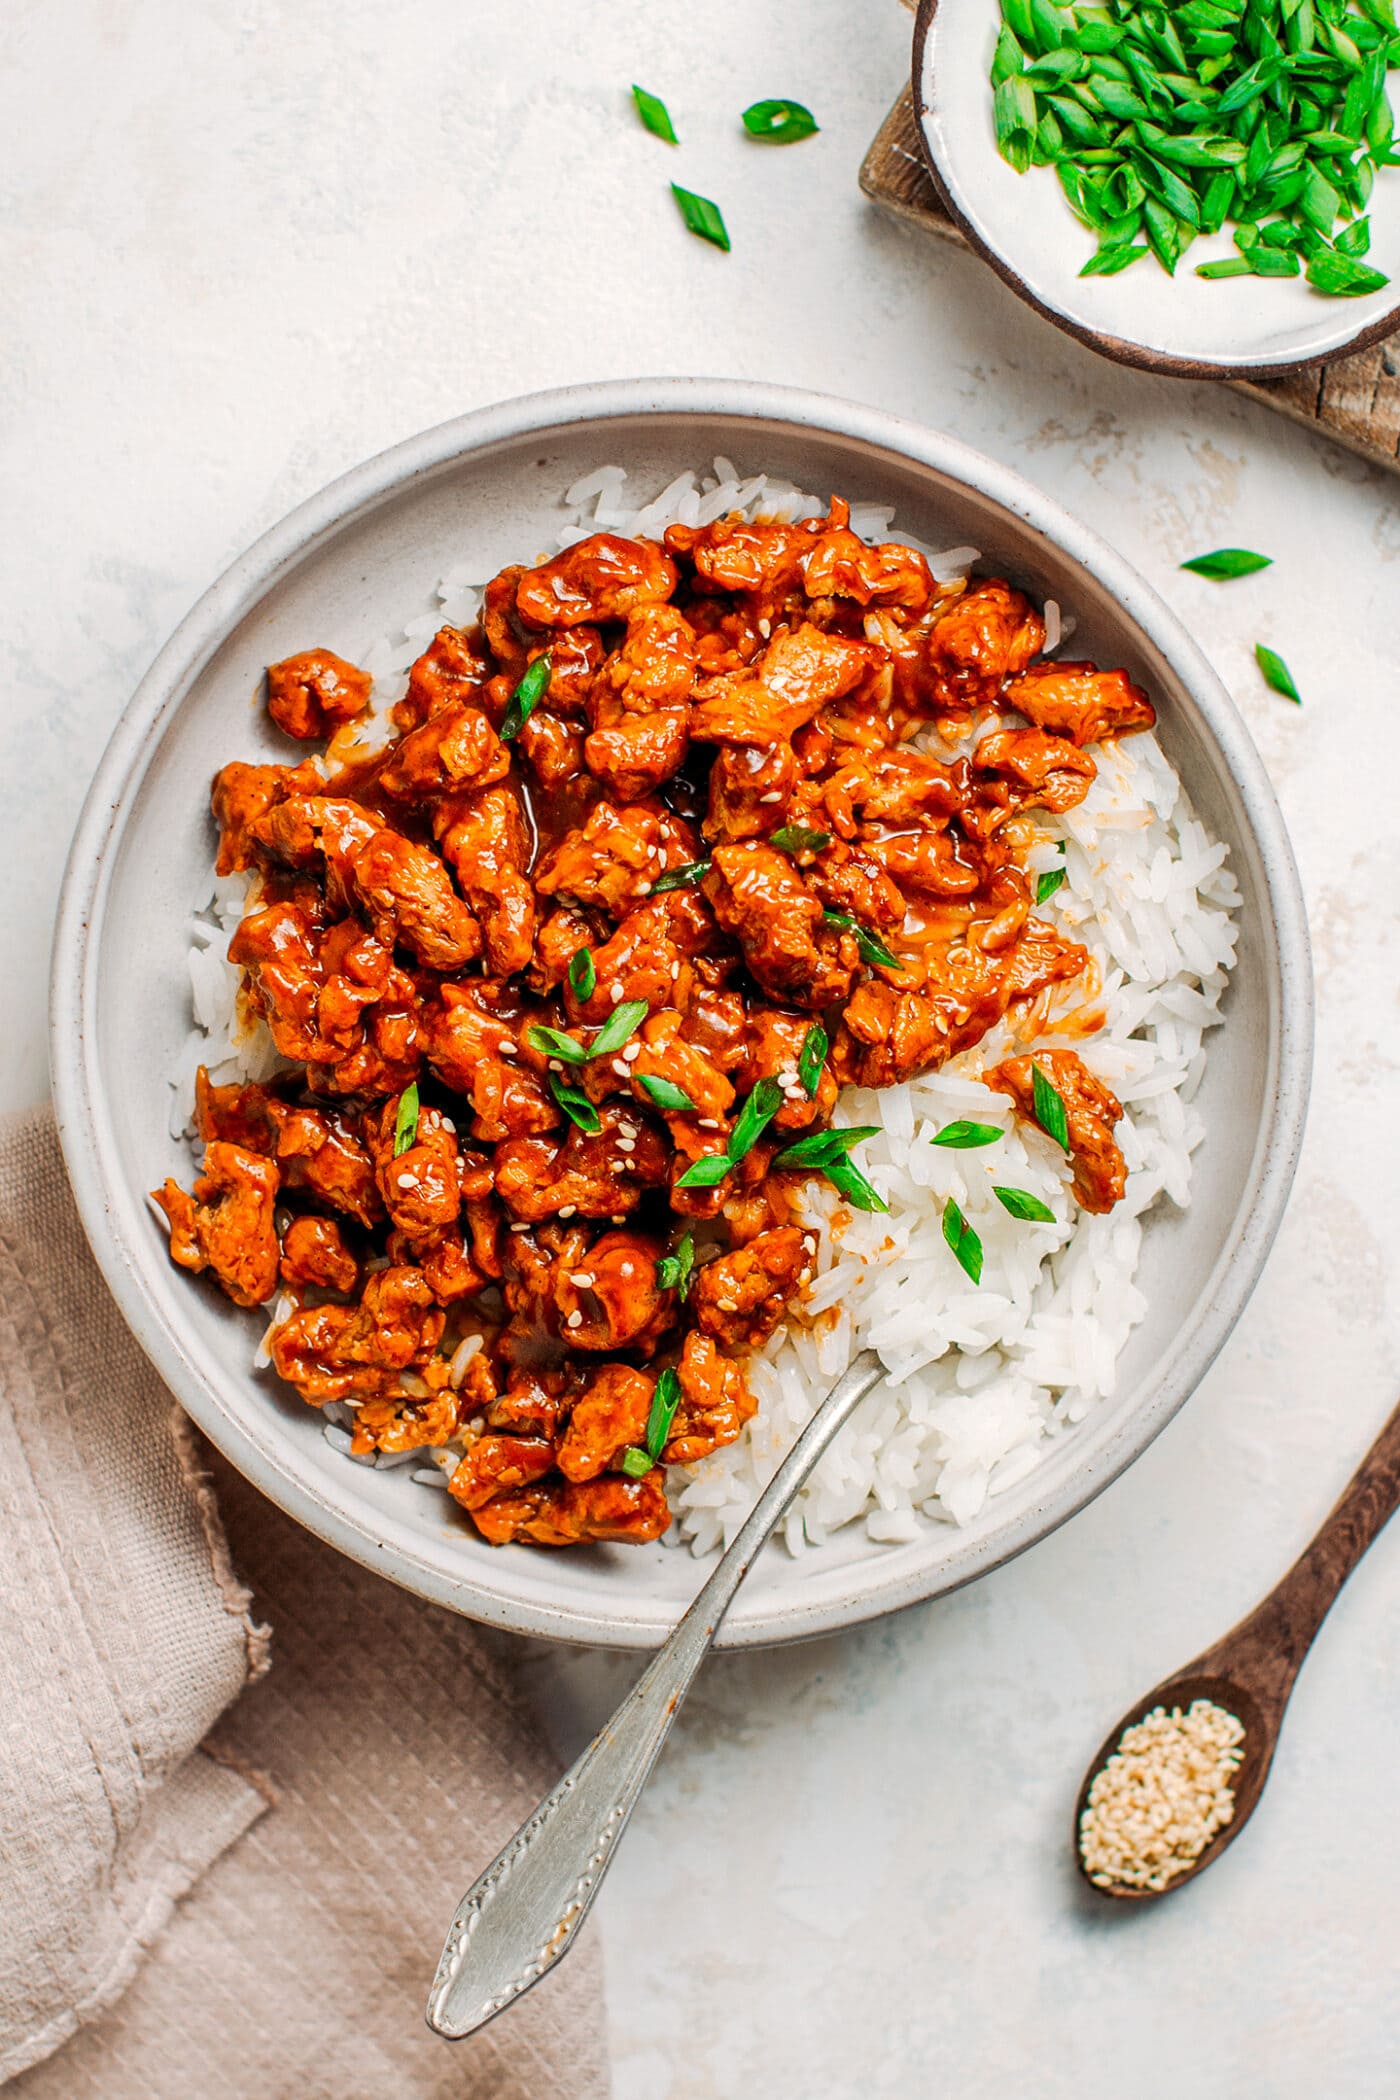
column 981, row 1379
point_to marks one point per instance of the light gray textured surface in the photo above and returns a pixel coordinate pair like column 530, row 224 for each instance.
column 246, row 245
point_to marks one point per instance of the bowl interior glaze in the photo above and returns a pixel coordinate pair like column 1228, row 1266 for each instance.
column 357, row 562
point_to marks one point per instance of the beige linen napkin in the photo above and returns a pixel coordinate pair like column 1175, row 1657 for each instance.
column 209, row 1896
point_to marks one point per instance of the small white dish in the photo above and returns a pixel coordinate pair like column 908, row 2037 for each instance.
column 356, row 562
column 1188, row 326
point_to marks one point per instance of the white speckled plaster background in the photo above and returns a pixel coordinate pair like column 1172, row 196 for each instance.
column 247, row 242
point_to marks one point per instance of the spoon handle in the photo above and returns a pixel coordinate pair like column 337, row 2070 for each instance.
column 522, row 1914
column 1278, row 1633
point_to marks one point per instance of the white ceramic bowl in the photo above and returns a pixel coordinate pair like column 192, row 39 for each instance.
column 1238, row 327
column 356, row 562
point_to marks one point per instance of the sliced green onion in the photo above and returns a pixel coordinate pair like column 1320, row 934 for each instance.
column 552, row 1042
column 796, row 838
column 665, row 1399
column 753, row 1118
column 967, row 1137
column 1048, row 883
column 1276, row 672
column 665, row 1094
column 846, row 1178
column 811, row 1059
column 781, row 123
column 526, row 697
column 673, row 1271
column 682, row 878
column 635, row 1463
column 622, row 1022
column 576, row 1105
column 655, row 115
column 583, row 978
column 1022, row 1204
column 1343, row 276
column 872, row 948
column 1227, row 562
column 820, row 1146
column 702, row 216
column 963, row 1240
column 1049, row 1108
column 406, row 1119
column 706, row 1172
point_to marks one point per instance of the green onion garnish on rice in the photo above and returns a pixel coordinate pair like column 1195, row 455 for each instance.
column 1022, row 1204
column 963, row 1240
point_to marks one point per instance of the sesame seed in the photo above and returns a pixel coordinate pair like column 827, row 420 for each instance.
column 449, row 1126
column 555, row 1065
column 581, row 1279
column 520, row 1226
column 505, row 1048
column 643, row 889
column 776, row 796
column 788, row 1076
column 620, row 1219
column 675, row 971
column 729, row 1305
column 621, row 1069
column 706, row 1123
column 626, row 1144
column 575, row 1319
column 406, row 1181
column 1166, row 1791
column 567, row 1210
column 631, row 1053
column 615, row 994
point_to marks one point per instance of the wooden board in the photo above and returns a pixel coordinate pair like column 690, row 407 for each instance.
column 1355, row 400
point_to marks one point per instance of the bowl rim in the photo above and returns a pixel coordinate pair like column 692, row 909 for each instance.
column 82, row 1099
column 1123, row 351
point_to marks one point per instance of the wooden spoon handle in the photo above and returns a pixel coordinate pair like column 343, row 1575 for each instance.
column 1268, row 1647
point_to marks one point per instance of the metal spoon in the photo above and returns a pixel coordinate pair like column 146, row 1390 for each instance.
column 1251, row 1672
column 523, row 1913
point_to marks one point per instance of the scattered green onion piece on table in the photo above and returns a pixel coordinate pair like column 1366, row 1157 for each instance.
column 811, row 1059
column 1047, row 884
column 666, row 1094
column 1276, row 672
column 583, row 978
column 963, row 1136
column 796, row 838
column 665, row 1399
column 406, row 1119
column 682, row 878
column 636, row 1463
column 526, row 697
column 673, row 1270
column 963, row 1240
column 1049, row 1108
column 1022, row 1204
column 655, row 115
column 702, row 216
column 620, row 1024
column 779, row 123
column 576, row 1105
column 872, row 948
column 1227, row 562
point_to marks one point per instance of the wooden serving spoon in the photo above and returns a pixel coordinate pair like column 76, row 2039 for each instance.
column 1251, row 1672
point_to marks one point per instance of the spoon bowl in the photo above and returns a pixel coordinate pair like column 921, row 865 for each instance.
column 1260, row 1738
column 1252, row 1671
